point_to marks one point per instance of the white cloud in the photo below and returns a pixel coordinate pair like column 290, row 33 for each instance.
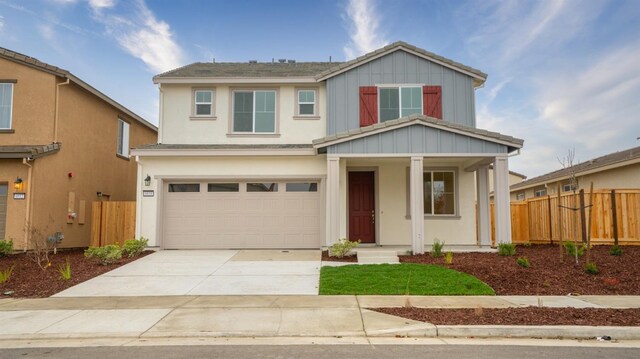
column 47, row 31
column 363, row 23
column 1, row 22
column 143, row 36
column 102, row 4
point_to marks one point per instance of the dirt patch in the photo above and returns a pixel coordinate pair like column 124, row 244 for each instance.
column 30, row 281
column 619, row 275
column 520, row 316
column 350, row 259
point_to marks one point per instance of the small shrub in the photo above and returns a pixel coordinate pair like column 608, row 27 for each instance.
column 591, row 268
column 611, row 283
column 448, row 258
column 106, row 255
column 6, row 274
column 6, row 247
column 506, row 249
column 342, row 248
column 65, row 270
column 133, row 247
column 616, row 251
column 523, row 262
column 571, row 249
column 436, row 249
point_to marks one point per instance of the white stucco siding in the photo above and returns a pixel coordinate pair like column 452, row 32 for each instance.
column 311, row 167
column 178, row 127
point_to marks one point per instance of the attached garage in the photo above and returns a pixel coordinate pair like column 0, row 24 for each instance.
column 238, row 214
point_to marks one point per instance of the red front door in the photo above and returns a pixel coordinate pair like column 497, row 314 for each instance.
column 362, row 207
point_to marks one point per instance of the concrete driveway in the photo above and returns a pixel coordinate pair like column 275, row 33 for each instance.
column 209, row 272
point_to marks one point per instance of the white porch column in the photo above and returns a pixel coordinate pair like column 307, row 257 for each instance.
column 416, row 198
column 484, row 210
column 501, row 200
column 333, row 200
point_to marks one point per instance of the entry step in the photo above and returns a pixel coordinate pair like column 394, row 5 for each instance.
column 377, row 256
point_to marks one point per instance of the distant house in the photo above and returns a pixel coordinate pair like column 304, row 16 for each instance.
column 63, row 145
column 618, row 170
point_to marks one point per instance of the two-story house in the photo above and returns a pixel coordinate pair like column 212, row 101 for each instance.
column 63, row 145
column 382, row 148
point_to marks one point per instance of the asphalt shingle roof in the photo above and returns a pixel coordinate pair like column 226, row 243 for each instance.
column 248, row 70
column 29, row 151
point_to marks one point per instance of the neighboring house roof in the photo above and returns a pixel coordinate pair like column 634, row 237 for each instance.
column 512, row 142
column 512, row 172
column 314, row 71
column 54, row 70
column 612, row 160
column 479, row 76
column 29, row 151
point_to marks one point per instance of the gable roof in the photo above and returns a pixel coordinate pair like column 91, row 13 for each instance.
column 416, row 119
column 479, row 76
column 616, row 159
column 246, row 70
column 57, row 71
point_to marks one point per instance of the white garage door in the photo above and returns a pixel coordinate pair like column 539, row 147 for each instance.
column 265, row 214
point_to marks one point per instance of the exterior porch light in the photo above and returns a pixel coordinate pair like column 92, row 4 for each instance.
column 147, row 181
column 18, row 184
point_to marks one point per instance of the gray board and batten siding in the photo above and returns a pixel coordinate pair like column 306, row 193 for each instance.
column 417, row 139
column 398, row 67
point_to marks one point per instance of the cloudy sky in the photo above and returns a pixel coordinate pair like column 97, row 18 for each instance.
column 562, row 74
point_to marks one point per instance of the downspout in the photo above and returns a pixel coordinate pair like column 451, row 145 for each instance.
column 27, row 219
column 55, row 116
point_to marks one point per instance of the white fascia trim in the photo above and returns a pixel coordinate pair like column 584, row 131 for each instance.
column 475, row 76
column 411, row 123
column 240, row 178
column 425, row 155
column 578, row 174
column 236, row 80
column 224, row 152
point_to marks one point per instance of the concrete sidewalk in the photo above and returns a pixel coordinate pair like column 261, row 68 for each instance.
column 279, row 316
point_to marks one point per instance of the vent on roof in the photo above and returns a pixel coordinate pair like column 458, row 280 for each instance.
column 282, row 61
column 292, row 61
column 253, row 61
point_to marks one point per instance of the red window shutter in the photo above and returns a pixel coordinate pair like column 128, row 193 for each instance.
column 432, row 101
column 368, row 105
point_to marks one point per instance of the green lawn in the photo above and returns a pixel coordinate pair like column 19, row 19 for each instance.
column 399, row 279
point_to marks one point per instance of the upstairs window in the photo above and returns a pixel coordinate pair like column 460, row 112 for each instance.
column 306, row 103
column 123, row 138
column 6, row 101
column 254, row 111
column 203, row 106
column 396, row 102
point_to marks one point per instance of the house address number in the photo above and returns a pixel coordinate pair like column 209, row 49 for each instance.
column 147, row 193
column 19, row 195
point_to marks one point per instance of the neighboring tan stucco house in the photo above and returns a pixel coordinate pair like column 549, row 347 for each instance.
column 618, row 170
column 383, row 148
column 61, row 142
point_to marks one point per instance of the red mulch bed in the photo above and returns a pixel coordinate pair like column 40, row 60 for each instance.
column 350, row 259
column 30, row 281
column 548, row 275
column 520, row 316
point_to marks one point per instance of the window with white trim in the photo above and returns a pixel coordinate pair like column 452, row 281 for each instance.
column 396, row 102
column 254, row 111
column 203, row 103
column 439, row 192
column 539, row 192
column 306, row 103
column 123, row 138
column 568, row 187
column 520, row 196
column 6, row 105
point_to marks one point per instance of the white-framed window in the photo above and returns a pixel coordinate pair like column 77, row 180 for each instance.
column 6, row 105
column 203, row 102
column 539, row 192
column 568, row 187
column 399, row 101
column 306, row 102
column 254, row 111
column 520, row 196
column 123, row 138
column 439, row 193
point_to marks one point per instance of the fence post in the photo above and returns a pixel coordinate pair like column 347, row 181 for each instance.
column 550, row 221
column 583, row 218
column 614, row 216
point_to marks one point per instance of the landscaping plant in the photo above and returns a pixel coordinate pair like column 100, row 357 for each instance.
column 436, row 249
column 448, row 258
column 106, row 255
column 506, row 249
column 523, row 262
column 134, row 247
column 6, row 247
column 342, row 248
column 6, row 274
column 573, row 250
column 591, row 268
column 616, row 251
column 65, row 270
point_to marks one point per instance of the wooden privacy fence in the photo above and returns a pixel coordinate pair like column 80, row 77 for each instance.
column 112, row 222
column 536, row 220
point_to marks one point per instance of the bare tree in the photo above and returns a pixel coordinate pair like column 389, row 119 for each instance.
column 567, row 163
